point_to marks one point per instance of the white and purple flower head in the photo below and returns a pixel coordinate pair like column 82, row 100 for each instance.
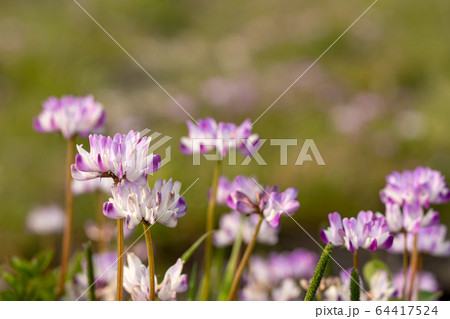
column 135, row 203
column 247, row 197
column 45, row 220
column 233, row 224
column 276, row 277
column 71, row 116
column 105, row 265
column 208, row 135
column 137, row 283
column 120, row 157
column 422, row 186
column 368, row 231
column 431, row 240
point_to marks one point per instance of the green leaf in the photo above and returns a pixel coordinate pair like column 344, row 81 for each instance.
column 372, row 267
column 194, row 246
column 21, row 266
column 429, row 295
column 192, row 283
column 231, row 268
column 42, row 260
column 7, row 295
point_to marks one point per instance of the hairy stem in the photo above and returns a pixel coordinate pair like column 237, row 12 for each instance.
column 354, row 286
column 67, row 237
column 244, row 261
column 206, row 282
column 318, row 273
column 414, row 265
column 119, row 295
column 151, row 262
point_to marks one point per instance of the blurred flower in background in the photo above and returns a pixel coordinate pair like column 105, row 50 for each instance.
column 45, row 220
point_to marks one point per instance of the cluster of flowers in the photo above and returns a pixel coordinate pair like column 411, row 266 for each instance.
column 277, row 277
column 405, row 196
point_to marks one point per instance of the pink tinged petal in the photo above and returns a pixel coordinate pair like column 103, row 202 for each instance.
column 82, row 176
column 351, row 247
column 155, row 164
column 102, row 167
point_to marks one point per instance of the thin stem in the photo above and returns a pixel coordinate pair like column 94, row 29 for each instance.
column 100, row 221
column 355, row 290
column 244, row 261
column 405, row 267
column 414, row 264
column 90, row 271
column 355, row 260
column 206, row 283
column 67, row 237
column 318, row 273
column 151, row 262
column 119, row 260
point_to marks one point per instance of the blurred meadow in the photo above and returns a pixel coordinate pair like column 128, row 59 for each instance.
column 376, row 102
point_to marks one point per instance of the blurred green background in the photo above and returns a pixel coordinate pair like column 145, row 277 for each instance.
column 378, row 101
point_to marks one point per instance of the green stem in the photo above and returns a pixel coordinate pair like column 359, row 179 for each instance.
column 318, row 273
column 354, row 286
column 151, row 261
column 119, row 295
column 67, row 237
column 244, row 261
column 206, row 282
column 90, row 271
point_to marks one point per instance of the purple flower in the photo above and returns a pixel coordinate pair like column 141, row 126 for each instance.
column 120, row 157
column 136, row 280
column 422, row 186
column 410, row 217
column 45, row 220
column 92, row 185
column 134, row 202
column 209, row 135
column 369, row 231
column 105, row 265
column 71, row 116
column 431, row 240
column 426, row 281
column 276, row 277
column 231, row 224
column 174, row 282
column 247, row 197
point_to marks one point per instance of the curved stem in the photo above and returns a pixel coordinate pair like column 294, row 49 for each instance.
column 119, row 260
column 206, row 283
column 67, row 237
column 151, row 262
column 414, row 264
column 355, row 260
column 244, row 261
column 405, row 267
column 318, row 273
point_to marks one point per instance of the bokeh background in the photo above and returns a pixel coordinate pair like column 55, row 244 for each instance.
column 378, row 101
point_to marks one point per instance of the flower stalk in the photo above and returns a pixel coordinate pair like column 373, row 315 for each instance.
column 90, row 271
column 414, row 266
column 244, row 261
column 67, row 237
column 405, row 267
column 355, row 260
column 318, row 273
column 206, row 283
column 119, row 296
column 151, row 262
